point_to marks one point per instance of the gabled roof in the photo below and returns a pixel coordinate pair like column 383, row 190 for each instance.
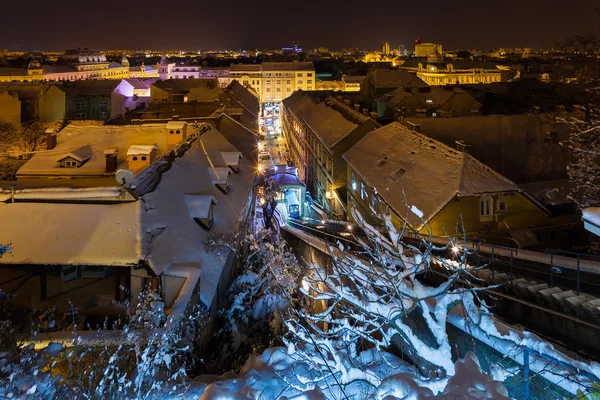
column 428, row 172
column 354, row 79
column 183, row 86
column 327, row 123
column 140, row 83
column 81, row 154
column 394, row 78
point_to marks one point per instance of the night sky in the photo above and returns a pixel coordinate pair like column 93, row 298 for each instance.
column 234, row 24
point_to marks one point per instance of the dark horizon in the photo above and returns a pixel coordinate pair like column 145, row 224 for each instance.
column 190, row 26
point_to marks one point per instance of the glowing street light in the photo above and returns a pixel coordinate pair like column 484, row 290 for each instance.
column 349, row 227
column 262, row 201
column 455, row 249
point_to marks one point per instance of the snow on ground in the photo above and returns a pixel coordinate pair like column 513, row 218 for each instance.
column 277, row 374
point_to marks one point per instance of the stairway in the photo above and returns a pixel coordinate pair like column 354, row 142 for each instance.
column 584, row 306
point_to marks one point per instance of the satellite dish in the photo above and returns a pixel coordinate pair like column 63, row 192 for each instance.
column 124, row 176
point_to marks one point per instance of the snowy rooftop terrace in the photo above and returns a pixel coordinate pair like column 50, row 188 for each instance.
column 95, row 140
column 160, row 228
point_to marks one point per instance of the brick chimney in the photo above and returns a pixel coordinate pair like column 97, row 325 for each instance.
column 50, row 141
column 111, row 159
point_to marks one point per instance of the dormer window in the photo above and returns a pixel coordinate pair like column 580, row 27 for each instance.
column 76, row 158
column 200, row 207
column 232, row 159
column 220, row 177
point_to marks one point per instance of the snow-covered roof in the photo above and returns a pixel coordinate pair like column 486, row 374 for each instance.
column 63, row 193
column 176, row 124
column 232, row 158
column 330, row 125
column 428, row 172
column 181, row 240
column 199, row 204
column 111, row 151
column 137, row 149
column 81, row 154
column 71, row 234
column 218, row 175
column 97, row 138
column 591, row 219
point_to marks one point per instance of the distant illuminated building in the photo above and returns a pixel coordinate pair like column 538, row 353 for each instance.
column 275, row 81
column 385, row 49
column 425, row 49
column 435, row 71
column 73, row 65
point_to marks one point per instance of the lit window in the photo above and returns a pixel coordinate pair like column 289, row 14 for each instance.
column 485, row 208
column 428, row 101
column 353, row 181
column 289, row 89
column 363, row 191
column 278, row 82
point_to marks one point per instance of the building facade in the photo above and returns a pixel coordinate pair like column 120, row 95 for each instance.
column 80, row 64
column 275, row 81
column 434, row 71
column 425, row 49
column 318, row 134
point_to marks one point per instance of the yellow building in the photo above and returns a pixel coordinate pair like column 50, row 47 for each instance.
column 425, row 49
column 435, row 71
column 275, row 81
column 445, row 188
column 74, row 65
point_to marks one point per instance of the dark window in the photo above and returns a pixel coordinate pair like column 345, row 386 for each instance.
column 171, row 131
column 143, row 158
column 134, row 158
column 178, row 132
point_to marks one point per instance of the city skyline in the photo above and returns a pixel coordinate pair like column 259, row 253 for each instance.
column 191, row 27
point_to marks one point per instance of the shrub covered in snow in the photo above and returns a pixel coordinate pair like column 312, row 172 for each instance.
column 372, row 298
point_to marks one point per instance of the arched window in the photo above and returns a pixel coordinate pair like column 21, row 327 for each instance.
column 134, row 158
column 143, row 158
column 178, row 132
column 171, row 132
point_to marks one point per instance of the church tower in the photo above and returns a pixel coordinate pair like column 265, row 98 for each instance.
column 124, row 61
column 163, row 72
